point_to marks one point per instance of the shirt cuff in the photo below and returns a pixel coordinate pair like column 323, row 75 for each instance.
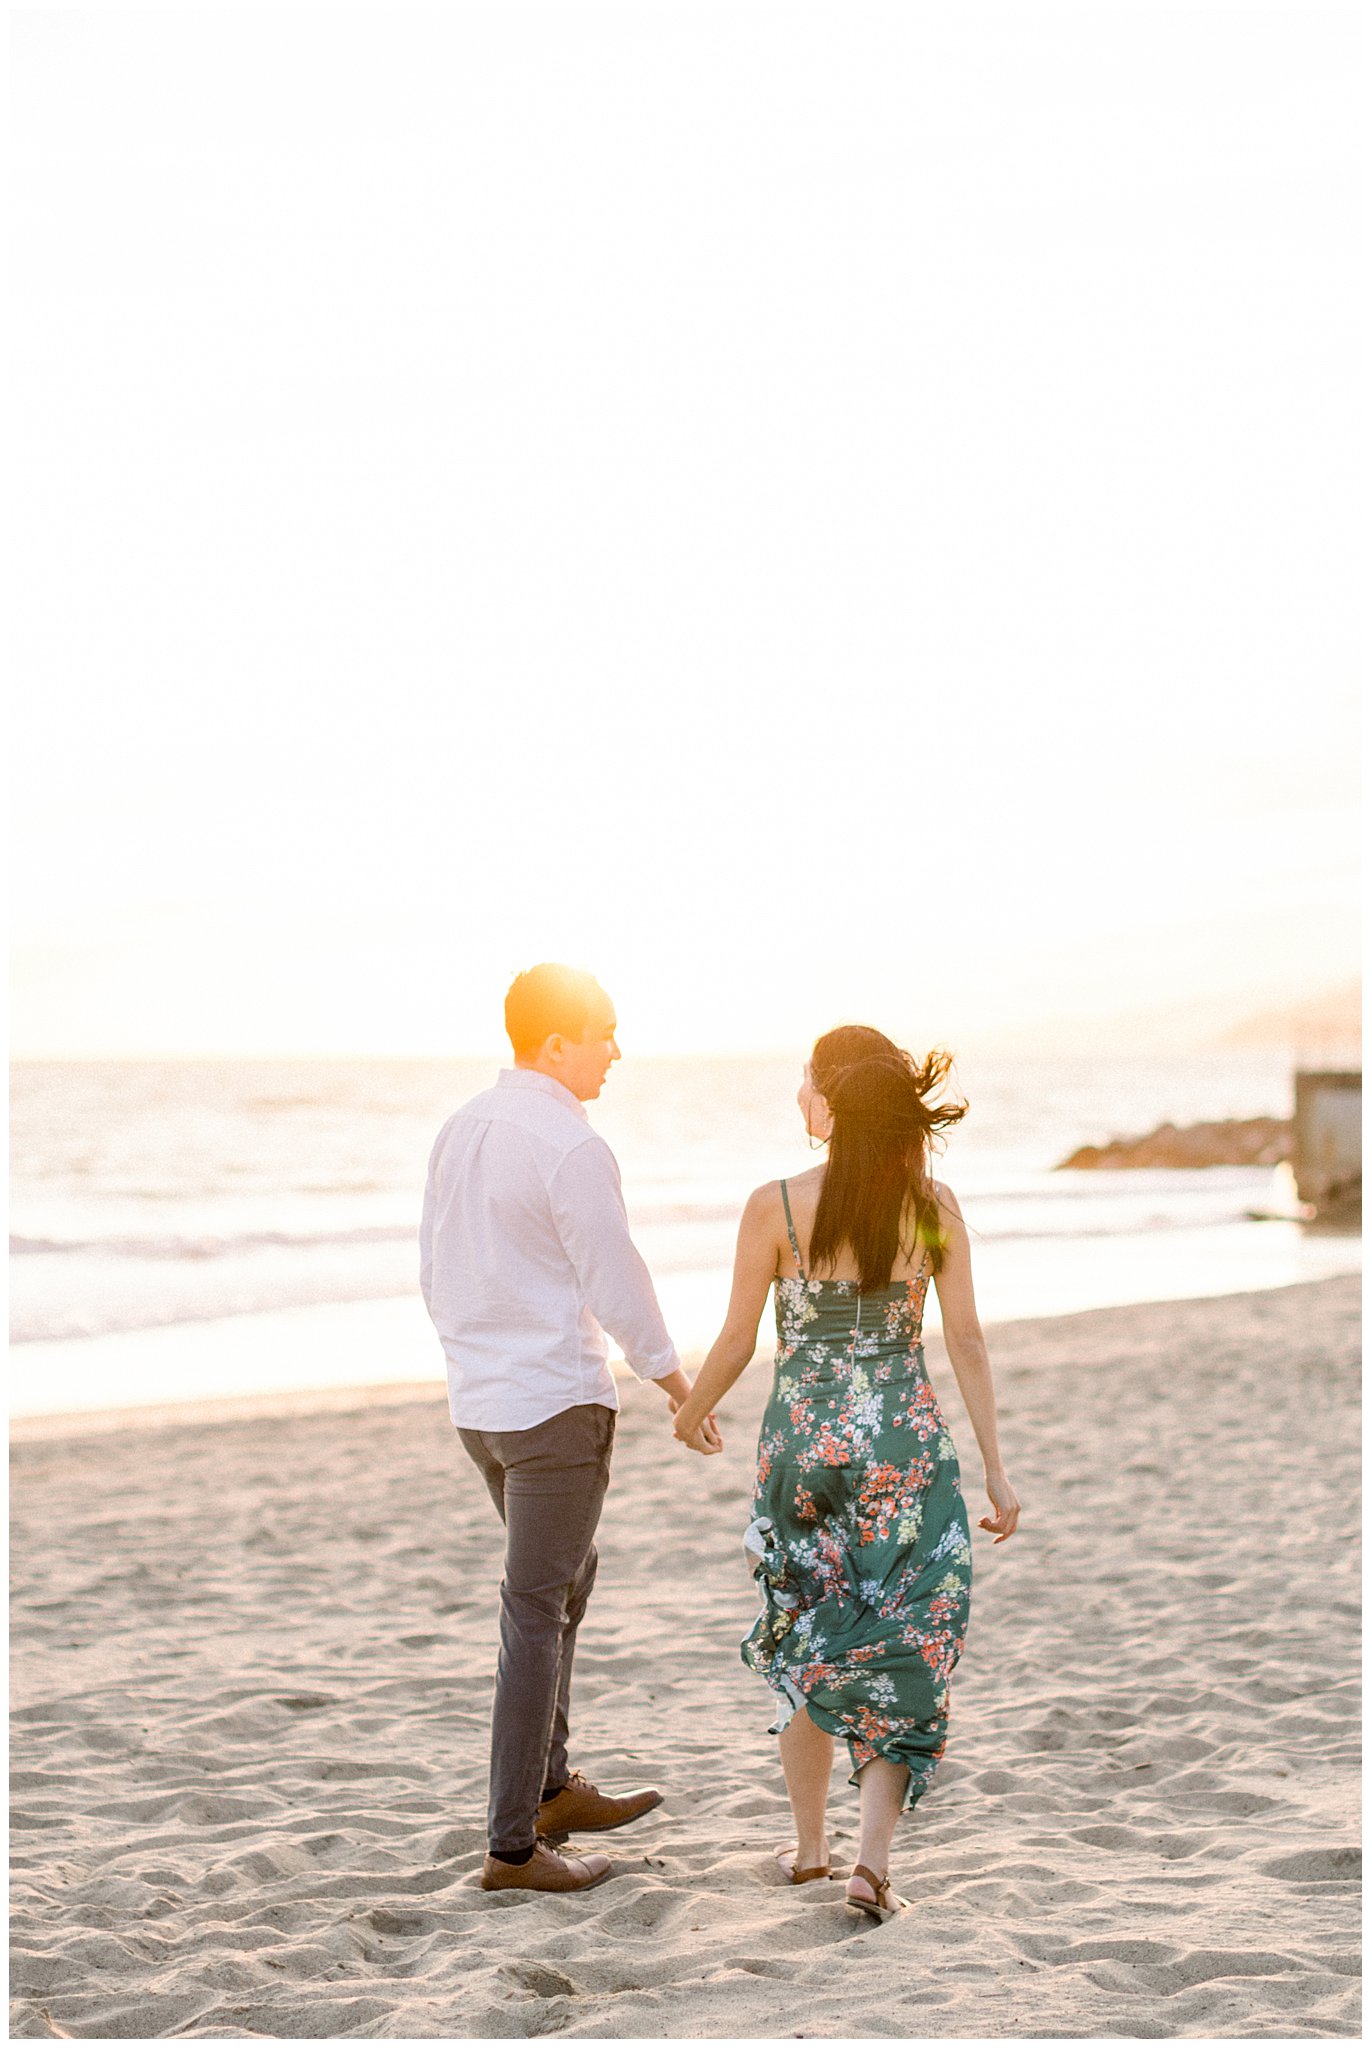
column 660, row 1366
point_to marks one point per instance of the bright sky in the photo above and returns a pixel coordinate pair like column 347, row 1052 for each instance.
column 810, row 513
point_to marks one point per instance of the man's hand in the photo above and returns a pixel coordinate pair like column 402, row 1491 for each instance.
column 705, row 1439
column 703, row 1436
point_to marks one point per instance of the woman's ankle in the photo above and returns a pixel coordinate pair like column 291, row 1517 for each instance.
column 876, row 1859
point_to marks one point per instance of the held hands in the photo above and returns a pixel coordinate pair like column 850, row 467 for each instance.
column 702, row 1436
column 1005, row 1502
column 701, row 1432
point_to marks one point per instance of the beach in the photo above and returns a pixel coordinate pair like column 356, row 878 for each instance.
column 251, row 1671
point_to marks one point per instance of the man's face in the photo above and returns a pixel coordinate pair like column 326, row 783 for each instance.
column 583, row 1063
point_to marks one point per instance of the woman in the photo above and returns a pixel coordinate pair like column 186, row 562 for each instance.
column 860, row 1533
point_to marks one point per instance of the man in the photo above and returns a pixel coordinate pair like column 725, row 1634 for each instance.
column 526, row 1263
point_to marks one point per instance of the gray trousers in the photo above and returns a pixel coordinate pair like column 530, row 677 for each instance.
column 548, row 1484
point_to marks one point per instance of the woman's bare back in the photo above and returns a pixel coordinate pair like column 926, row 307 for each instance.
column 804, row 1190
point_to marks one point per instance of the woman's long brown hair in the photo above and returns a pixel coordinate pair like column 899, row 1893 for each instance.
column 877, row 1194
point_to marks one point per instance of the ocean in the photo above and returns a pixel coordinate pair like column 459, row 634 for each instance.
column 200, row 1230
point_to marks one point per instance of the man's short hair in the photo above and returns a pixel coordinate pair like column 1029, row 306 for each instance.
column 549, row 998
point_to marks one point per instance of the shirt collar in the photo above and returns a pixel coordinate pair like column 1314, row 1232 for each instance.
column 529, row 1077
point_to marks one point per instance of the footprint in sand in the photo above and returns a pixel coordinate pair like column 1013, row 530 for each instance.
column 537, row 1978
column 1316, row 1865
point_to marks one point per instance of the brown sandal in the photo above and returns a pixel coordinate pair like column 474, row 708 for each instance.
column 886, row 1903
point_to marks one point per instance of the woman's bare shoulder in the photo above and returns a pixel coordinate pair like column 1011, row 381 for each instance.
column 799, row 1186
column 764, row 1206
column 946, row 1200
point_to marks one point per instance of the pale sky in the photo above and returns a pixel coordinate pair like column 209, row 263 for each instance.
column 809, row 513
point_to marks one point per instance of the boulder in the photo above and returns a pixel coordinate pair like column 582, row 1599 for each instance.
column 1236, row 1141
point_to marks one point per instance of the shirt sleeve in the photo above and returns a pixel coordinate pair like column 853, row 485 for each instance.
column 426, row 1249
column 426, row 1224
column 588, row 1209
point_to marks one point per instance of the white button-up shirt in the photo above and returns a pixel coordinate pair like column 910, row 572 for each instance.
column 526, row 1260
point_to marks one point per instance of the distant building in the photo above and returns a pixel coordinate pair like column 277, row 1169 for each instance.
column 1327, row 1153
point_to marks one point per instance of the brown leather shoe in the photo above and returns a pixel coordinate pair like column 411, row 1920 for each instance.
column 580, row 1809
column 545, row 1871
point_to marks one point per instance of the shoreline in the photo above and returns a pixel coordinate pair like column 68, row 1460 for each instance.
column 214, row 1410
column 361, row 1396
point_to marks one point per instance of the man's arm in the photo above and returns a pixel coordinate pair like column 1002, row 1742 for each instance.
column 426, row 1222
column 588, row 1209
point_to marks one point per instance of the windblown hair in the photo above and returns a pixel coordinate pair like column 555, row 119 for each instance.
column 877, row 1194
column 545, row 999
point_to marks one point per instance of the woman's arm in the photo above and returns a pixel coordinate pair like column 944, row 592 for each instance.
column 965, row 1342
column 754, row 1269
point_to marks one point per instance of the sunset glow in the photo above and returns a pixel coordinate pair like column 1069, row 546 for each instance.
column 649, row 488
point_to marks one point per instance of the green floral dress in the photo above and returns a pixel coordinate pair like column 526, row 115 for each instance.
column 860, row 1541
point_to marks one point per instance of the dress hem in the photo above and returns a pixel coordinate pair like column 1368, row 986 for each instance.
column 793, row 1701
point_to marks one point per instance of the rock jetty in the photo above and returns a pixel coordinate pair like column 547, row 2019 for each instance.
column 1242, row 1141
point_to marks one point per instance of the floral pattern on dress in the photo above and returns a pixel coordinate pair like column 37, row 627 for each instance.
column 868, row 1593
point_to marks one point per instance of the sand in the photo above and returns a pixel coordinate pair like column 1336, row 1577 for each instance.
column 252, row 1665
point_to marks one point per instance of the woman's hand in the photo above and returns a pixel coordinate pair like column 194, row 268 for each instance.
column 1005, row 1502
column 699, row 1432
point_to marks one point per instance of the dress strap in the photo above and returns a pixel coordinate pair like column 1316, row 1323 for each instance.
column 790, row 1227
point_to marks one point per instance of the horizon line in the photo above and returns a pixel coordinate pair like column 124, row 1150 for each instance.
column 503, row 1057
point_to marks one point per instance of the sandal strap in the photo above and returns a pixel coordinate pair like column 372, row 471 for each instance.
column 807, row 1876
column 878, row 1884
